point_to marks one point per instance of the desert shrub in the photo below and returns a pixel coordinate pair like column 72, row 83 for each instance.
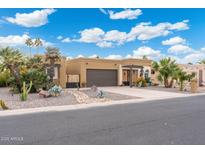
column 55, row 91
column 141, row 82
column 3, row 105
column 38, row 77
column 4, row 78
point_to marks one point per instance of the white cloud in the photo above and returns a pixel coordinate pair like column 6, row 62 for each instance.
column 194, row 56
column 66, row 40
column 93, row 56
column 115, row 36
column 146, row 51
column 18, row 40
column 80, row 56
column 13, row 40
column 179, row 49
column 125, row 14
column 174, row 41
column 45, row 43
column 60, row 37
column 117, row 57
column 103, row 11
column 92, row 35
column 180, row 25
column 34, row 19
column 104, row 44
column 145, row 31
column 69, row 57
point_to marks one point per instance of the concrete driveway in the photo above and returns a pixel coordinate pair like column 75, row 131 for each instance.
column 147, row 94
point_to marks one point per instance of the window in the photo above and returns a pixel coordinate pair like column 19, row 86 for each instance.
column 146, row 74
column 55, row 72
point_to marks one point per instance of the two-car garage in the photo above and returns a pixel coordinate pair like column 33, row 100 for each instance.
column 101, row 77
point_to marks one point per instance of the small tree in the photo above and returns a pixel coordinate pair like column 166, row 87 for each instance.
column 182, row 77
column 167, row 69
column 52, row 55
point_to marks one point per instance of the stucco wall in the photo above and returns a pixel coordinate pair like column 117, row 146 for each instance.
column 79, row 66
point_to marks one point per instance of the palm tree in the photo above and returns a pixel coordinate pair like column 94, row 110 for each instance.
column 182, row 77
column 38, row 43
column 29, row 43
column 167, row 69
column 12, row 59
column 35, row 62
column 52, row 54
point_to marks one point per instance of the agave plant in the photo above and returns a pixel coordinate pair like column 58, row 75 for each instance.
column 55, row 91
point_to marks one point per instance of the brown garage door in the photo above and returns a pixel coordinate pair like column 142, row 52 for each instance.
column 100, row 77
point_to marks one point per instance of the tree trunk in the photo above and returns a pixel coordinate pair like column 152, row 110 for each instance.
column 15, row 73
column 171, row 83
column 166, row 83
column 181, row 85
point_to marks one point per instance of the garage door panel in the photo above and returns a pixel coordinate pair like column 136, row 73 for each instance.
column 101, row 77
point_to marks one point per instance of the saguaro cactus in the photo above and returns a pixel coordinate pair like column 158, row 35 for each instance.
column 25, row 91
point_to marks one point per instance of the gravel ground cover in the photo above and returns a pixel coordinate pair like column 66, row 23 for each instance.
column 34, row 100
column 68, row 97
column 109, row 95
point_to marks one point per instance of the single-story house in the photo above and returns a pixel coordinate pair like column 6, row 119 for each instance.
column 198, row 69
column 101, row 72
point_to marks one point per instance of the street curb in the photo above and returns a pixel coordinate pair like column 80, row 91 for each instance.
column 82, row 106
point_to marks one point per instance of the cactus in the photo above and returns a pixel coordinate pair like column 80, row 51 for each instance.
column 25, row 91
column 3, row 105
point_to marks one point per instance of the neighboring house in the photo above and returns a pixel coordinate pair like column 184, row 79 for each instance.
column 101, row 72
column 198, row 69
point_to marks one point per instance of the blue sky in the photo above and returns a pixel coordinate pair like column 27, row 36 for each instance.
column 109, row 33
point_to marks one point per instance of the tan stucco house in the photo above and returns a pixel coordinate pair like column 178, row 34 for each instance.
column 198, row 69
column 101, row 72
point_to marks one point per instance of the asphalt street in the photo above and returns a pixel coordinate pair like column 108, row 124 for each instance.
column 170, row 121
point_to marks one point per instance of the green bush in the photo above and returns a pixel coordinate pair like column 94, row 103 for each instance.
column 38, row 77
column 141, row 82
column 4, row 78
